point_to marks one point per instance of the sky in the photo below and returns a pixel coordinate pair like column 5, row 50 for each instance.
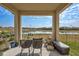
column 68, row 18
column 36, row 21
column 6, row 18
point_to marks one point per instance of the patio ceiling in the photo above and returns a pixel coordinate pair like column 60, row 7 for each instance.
column 36, row 6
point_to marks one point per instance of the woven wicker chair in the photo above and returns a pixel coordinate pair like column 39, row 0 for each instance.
column 37, row 44
column 25, row 44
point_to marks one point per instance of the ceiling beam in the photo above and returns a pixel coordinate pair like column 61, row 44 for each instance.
column 9, row 7
column 36, row 13
column 62, row 7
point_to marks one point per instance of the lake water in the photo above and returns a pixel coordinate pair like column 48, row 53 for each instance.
column 42, row 32
column 37, row 32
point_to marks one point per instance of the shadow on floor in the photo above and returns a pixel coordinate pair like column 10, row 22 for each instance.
column 26, row 54
column 35, row 54
column 23, row 54
column 54, row 53
column 1, row 53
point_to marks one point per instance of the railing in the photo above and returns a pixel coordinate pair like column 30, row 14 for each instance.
column 69, row 37
column 44, row 36
column 36, row 34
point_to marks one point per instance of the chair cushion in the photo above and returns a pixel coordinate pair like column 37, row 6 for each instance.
column 62, row 45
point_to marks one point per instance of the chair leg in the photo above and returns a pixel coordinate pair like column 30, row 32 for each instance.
column 33, row 51
column 21, row 51
column 29, row 51
column 41, row 51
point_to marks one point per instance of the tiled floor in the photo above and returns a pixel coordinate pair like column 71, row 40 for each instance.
column 16, row 52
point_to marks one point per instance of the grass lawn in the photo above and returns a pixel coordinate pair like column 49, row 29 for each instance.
column 74, row 48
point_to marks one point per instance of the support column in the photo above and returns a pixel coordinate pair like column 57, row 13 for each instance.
column 55, row 25
column 17, row 27
column 53, row 28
